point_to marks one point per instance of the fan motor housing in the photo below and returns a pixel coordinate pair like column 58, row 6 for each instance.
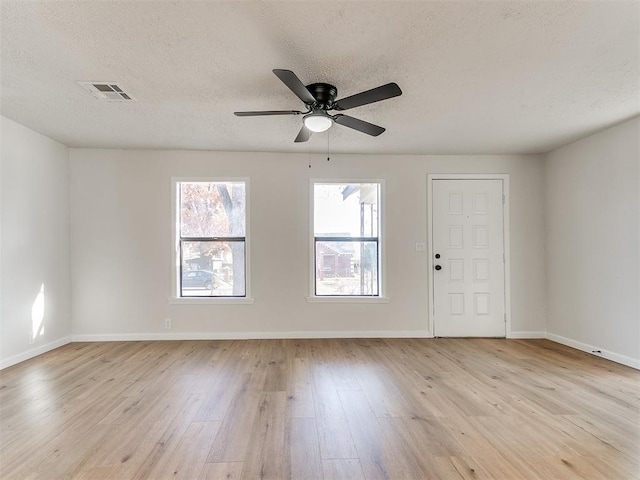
column 324, row 93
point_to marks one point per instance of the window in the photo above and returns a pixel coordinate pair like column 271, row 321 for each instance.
column 211, row 238
column 346, row 239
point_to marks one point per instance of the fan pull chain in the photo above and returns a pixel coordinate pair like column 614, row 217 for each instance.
column 328, row 145
column 309, row 158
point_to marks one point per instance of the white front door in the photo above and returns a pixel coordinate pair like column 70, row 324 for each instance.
column 468, row 258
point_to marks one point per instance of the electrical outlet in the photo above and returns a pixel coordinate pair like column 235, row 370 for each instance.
column 421, row 247
column 167, row 323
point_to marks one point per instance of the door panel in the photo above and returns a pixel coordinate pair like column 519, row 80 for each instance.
column 468, row 234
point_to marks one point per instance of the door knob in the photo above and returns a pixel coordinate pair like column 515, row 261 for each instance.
column 438, row 267
column 437, row 255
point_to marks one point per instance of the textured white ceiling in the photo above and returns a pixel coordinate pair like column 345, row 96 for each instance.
column 477, row 77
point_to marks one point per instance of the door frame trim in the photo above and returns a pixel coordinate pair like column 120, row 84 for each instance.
column 505, row 236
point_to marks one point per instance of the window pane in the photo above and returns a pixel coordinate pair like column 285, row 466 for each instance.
column 212, row 269
column 212, row 209
column 346, row 210
column 346, row 268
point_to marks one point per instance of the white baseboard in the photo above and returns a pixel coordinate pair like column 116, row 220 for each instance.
column 128, row 337
column 34, row 352
column 527, row 335
column 615, row 357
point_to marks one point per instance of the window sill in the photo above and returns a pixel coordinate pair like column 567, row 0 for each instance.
column 338, row 299
column 210, row 301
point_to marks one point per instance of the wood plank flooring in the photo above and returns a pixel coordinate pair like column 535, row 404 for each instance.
column 319, row 409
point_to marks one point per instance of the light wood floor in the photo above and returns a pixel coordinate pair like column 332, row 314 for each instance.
column 313, row 409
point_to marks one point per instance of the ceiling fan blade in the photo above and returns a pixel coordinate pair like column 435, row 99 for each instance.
column 304, row 135
column 357, row 124
column 267, row 112
column 295, row 85
column 383, row 92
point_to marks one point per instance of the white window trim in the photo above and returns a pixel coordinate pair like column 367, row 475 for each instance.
column 346, row 299
column 174, row 296
column 381, row 298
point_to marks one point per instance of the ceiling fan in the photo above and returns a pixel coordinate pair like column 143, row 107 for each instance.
column 320, row 98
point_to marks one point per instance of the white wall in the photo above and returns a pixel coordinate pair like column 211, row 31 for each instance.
column 34, row 250
column 121, row 240
column 593, row 243
column 581, row 203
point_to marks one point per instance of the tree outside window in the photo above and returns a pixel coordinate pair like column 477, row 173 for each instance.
column 212, row 239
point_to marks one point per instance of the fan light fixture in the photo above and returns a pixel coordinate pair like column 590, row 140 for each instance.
column 319, row 98
column 318, row 121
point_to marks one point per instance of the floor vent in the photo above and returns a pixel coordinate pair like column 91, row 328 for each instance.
column 109, row 91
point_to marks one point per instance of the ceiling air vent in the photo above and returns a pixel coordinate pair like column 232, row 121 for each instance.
column 109, row 91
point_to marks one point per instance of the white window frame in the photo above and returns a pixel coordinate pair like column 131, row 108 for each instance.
column 382, row 287
column 175, row 297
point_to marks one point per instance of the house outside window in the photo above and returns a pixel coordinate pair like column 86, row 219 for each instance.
column 346, row 239
column 211, row 238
